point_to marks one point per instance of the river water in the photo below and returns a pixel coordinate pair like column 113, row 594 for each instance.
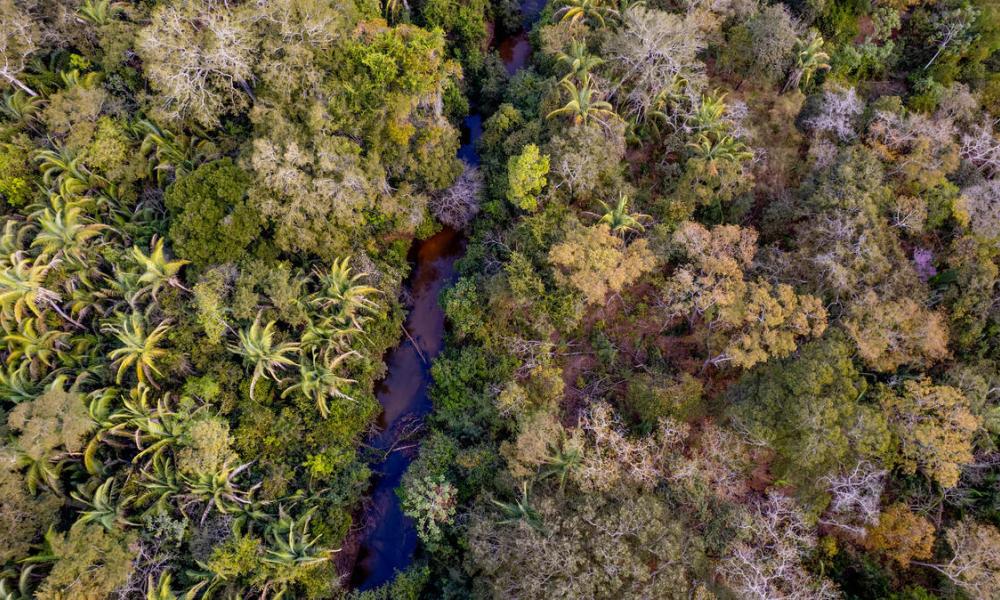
column 389, row 538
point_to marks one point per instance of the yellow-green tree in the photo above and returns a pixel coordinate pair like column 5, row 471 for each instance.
column 595, row 262
column 935, row 428
column 526, row 177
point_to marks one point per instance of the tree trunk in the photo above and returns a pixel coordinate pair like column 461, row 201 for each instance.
column 17, row 82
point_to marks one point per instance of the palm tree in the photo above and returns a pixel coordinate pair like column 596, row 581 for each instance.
column 561, row 461
column 708, row 118
column 321, row 382
column 101, row 507
column 138, row 348
column 619, row 220
column 23, row 591
column 343, row 296
column 160, row 590
column 157, row 270
column 257, row 348
column 324, row 336
column 216, row 489
column 809, row 58
column 98, row 12
column 74, row 78
column 586, row 11
column 45, row 469
column 582, row 106
column 22, row 287
column 99, row 403
column 121, row 286
column 34, row 345
column 289, row 543
column 17, row 385
column 152, row 428
column 12, row 239
column 725, row 148
column 579, row 60
column 59, row 164
column 64, row 232
column 159, row 483
column 665, row 101
column 170, row 155
column 519, row 510
column 21, row 106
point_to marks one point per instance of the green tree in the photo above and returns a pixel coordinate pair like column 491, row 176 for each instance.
column 431, row 503
column 808, row 408
column 595, row 262
column 90, row 564
column 54, row 423
column 24, row 516
column 761, row 48
column 588, row 546
column 211, row 221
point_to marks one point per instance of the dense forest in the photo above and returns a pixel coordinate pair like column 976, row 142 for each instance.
column 726, row 322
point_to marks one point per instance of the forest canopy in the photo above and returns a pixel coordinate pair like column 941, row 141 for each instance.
column 722, row 318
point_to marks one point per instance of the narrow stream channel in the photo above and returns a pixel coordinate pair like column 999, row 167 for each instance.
column 389, row 539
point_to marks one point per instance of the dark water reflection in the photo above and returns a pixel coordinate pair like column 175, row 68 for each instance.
column 515, row 52
column 390, row 539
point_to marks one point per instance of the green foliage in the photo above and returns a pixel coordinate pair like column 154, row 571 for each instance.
column 211, row 220
column 464, row 20
column 15, row 176
column 761, row 48
column 24, row 516
column 431, row 503
column 209, row 209
column 90, row 564
column 810, row 409
column 650, row 399
column 593, row 546
column 526, row 178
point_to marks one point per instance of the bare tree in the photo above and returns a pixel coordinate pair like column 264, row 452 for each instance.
column 838, row 114
column 18, row 41
column 975, row 564
column 653, row 52
column 981, row 147
column 457, row 205
column 199, row 55
column 855, row 498
column 766, row 562
column 983, row 203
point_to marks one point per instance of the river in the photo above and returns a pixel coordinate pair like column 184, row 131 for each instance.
column 389, row 538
